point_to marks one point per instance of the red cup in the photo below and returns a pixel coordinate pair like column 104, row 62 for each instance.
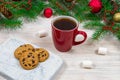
column 64, row 39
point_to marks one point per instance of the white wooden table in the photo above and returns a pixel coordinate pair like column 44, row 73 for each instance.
column 106, row 67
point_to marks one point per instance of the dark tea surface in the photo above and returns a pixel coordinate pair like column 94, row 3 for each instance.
column 65, row 24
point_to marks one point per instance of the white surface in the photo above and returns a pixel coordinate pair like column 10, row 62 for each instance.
column 11, row 67
column 107, row 66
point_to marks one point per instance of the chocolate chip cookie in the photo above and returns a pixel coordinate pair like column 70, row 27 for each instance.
column 21, row 49
column 29, row 60
column 42, row 54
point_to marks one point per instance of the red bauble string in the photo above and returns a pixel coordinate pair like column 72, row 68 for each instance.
column 48, row 12
column 109, row 27
column 29, row 3
column 95, row 5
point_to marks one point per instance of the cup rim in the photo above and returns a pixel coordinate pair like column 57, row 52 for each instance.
column 69, row 17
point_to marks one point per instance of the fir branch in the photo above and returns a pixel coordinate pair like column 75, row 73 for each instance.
column 12, row 24
column 93, row 24
column 99, row 33
column 19, row 12
column 117, row 33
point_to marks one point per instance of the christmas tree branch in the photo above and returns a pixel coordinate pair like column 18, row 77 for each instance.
column 19, row 10
column 99, row 33
column 12, row 24
column 93, row 24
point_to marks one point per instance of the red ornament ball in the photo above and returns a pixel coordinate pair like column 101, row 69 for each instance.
column 95, row 5
column 48, row 12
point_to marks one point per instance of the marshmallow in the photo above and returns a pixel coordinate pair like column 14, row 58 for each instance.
column 87, row 64
column 102, row 51
column 42, row 33
column 79, row 38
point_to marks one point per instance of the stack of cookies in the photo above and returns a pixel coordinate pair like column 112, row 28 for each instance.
column 29, row 57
